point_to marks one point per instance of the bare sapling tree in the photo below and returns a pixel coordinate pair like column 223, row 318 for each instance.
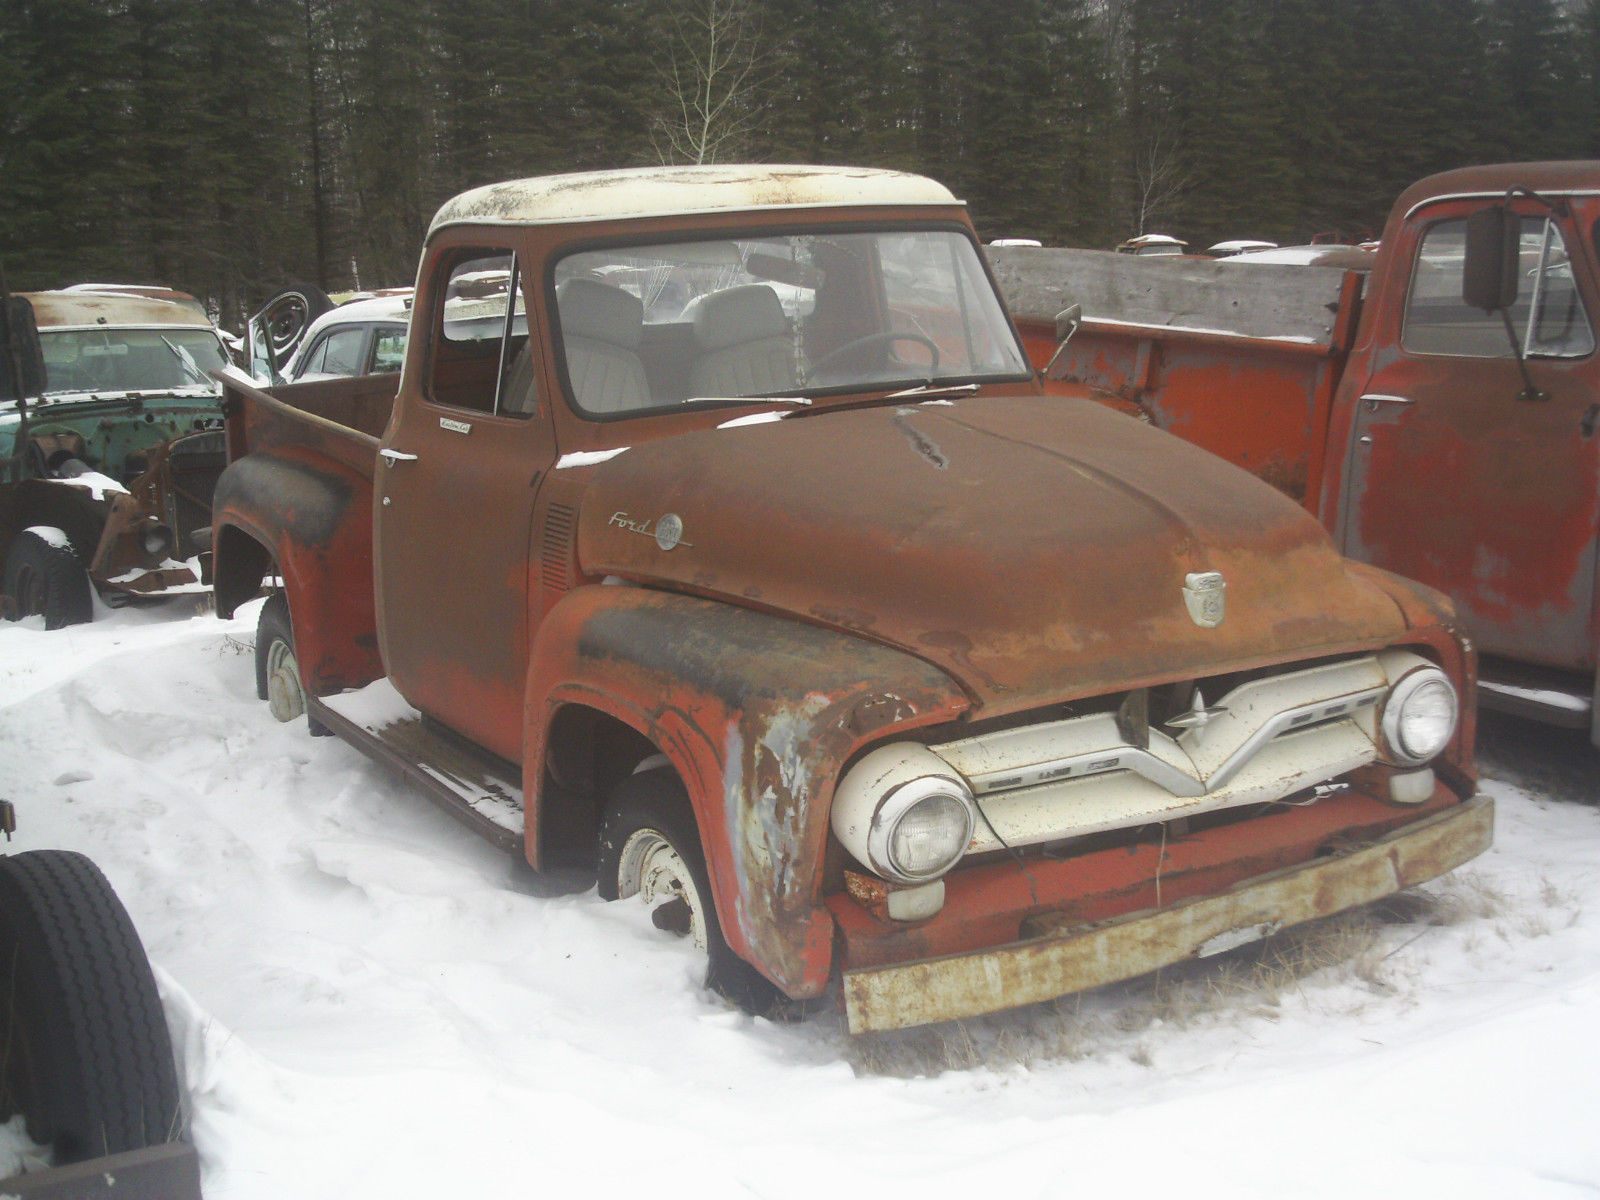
column 1160, row 180
column 713, row 74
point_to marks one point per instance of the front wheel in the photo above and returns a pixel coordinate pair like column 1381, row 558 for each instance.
column 43, row 575
column 277, row 668
column 650, row 851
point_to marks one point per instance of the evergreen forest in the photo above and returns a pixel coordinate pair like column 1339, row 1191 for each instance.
column 227, row 147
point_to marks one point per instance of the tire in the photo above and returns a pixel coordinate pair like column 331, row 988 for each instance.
column 277, row 668
column 650, row 848
column 86, row 1056
column 287, row 314
column 43, row 577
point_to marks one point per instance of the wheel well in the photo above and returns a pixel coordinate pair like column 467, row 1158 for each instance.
column 241, row 564
column 588, row 752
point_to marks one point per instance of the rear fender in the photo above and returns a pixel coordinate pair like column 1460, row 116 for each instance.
column 757, row 714
column 313, row 518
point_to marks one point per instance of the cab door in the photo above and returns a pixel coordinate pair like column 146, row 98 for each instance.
column 460, row 468
column 1459, row 475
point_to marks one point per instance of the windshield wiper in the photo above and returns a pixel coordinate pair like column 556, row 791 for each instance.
column 186, row 361
column 925, row 391
column 802, row 401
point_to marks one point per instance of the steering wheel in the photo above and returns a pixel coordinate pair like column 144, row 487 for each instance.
column 833, row 357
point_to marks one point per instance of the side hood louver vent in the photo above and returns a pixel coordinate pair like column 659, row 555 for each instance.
column 555, row 553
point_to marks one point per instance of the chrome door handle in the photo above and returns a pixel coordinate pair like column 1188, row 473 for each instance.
column 393, row 456
column 1373, row 400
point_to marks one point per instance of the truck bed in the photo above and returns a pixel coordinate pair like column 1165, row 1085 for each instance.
column 340, row 418
column 1240, row 359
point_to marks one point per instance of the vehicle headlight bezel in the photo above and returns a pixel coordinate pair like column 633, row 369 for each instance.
column 900, row 807
column 1404, row 720
column 895, row 785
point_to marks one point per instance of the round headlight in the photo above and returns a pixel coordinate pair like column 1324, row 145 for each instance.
column 904, row 813
column 156, row 539
column 1419, row 716
column 929, row 835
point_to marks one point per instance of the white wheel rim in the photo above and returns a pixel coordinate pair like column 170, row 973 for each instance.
column 285, row 696
column 653, row 870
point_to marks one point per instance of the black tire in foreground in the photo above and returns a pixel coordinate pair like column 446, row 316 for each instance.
column 41, row 577
column 650, row 848
column 84, row 1051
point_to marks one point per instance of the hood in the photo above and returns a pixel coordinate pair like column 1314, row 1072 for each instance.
column 1035, row 549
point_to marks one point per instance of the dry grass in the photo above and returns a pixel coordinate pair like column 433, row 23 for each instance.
column 236, row 646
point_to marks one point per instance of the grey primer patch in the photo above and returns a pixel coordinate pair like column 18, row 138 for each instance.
column 920, row 442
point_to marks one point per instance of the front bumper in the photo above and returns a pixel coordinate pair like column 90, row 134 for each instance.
column 1056, row 964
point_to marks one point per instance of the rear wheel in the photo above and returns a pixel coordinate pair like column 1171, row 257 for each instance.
column 277, row 668
column 84, row 1051
column 650, row 851
column 43, row 575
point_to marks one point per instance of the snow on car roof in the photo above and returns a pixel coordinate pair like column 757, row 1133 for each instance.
column 373, row 308
column 77, row 308
column 671, row 191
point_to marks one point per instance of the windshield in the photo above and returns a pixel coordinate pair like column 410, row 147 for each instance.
column 109, row 359
column 647, row 327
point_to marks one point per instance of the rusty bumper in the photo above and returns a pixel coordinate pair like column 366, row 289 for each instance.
column 1043, row 968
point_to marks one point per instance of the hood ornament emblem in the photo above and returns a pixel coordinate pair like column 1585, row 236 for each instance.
column 1198, row 715
column 1204, row 594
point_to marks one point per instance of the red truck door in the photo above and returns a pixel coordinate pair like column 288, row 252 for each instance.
column 463, row 458
column 1457, row 476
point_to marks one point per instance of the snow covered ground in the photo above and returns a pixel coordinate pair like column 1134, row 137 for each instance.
column 369, row 1002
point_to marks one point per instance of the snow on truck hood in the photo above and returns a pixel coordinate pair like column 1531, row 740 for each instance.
column 1034, row 550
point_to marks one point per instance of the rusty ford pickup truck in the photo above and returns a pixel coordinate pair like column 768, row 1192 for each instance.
column 1432, row 436
column 721, row 536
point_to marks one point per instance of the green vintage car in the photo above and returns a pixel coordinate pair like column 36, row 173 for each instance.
column 106, row 471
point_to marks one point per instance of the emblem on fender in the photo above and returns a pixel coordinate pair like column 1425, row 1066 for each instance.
column 667, row 530
column 1204, row 594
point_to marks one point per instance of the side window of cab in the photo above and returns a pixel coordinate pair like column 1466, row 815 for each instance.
column 1548, row 319
column 481, row 361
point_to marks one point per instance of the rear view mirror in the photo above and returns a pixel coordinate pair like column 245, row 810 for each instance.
column 21, row 359
column 1489, row 277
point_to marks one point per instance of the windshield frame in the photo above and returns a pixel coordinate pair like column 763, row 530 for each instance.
column 866, row 391
column 172, row 334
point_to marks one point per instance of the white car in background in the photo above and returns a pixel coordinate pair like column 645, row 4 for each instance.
column 363, row 337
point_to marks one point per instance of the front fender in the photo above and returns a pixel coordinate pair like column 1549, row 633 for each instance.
column 314, row 517
column 758, row 714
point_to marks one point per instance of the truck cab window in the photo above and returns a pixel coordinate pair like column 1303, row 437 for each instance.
column 480, row 359
column 1548, row 318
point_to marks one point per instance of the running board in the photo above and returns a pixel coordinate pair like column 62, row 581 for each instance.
column 474, row 787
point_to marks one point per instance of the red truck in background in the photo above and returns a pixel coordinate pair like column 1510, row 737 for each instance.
column 721, row 538
column 1450, row 444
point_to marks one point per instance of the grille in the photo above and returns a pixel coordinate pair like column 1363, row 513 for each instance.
column 1264, row 740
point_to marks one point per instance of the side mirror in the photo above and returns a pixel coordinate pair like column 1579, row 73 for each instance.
column 21, row 358
column 1489, row 277
column 1067, row 322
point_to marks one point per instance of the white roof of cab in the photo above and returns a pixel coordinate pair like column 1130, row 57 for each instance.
column 675, row 191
